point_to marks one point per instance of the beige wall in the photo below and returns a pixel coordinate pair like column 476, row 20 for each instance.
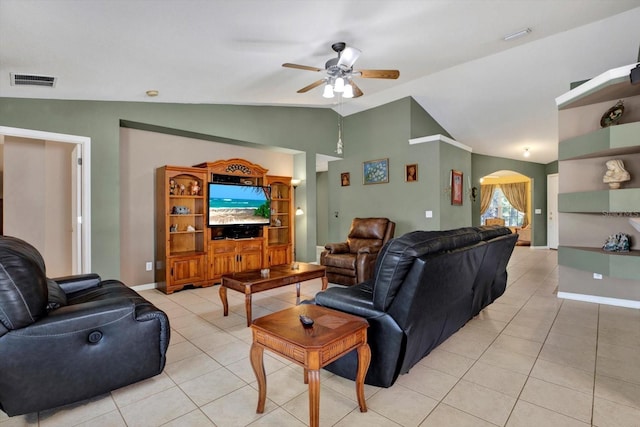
column 37, row 198
column 141, row 152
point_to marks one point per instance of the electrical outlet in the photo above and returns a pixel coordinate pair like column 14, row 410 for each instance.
column 428, row 214
column 597, row 276
column 149, row 266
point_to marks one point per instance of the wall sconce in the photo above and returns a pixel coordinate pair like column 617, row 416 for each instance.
column 295, row 182
column 299, row 211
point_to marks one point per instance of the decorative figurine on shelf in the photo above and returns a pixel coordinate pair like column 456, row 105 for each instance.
column 278, row 222
column 190, row 228
column 173, row 228
column 613, row 115
column 615, row 174
column 195, row 188
column 617, row 243
column 172, row 186
column 182, row 189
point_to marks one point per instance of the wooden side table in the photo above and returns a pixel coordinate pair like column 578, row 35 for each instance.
column 332, row 335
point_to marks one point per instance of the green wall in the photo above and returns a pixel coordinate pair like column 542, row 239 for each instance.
column 310, row 130
column 484, row 165
column 382, row 132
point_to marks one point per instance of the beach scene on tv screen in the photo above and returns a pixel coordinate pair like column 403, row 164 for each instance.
column 237, row 205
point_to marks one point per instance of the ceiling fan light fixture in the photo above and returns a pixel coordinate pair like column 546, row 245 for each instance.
column 338, row 86
column 328, row 91
column 348, row 91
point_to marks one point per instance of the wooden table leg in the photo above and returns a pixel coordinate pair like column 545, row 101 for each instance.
column 314, row 397
column 257, row 364
column 247, row 306
column 325, row 282
column 298, row 289
column 364, row 357
column 223, row 298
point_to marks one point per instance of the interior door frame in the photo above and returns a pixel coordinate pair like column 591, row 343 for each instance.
column 552, row 212
column 83, row 182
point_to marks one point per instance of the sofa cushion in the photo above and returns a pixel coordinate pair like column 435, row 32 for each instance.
column 23, row 285
column 398, row 256
column 367, row 232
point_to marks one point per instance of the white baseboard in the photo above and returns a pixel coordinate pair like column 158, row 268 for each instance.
column 144, row 287
column 600, row 300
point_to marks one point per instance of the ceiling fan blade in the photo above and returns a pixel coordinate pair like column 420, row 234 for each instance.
column 379, row 74
column 311, row 86
column 301, row 67
column 348, row 57
column 356, row 90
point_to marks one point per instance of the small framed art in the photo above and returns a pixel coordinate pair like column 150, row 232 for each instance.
column 456, row 187
column 411, row 172
column 375, row 171
column 345, row 179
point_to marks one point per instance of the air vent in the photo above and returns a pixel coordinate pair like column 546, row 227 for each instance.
column 32, row 80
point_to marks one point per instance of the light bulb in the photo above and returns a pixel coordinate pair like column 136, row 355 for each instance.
column 299, row 211
column 526, row 152
column 328, row 91
column 348, row 91
column 339, row 85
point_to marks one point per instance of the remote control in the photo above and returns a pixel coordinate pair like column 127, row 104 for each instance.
column 306, row 321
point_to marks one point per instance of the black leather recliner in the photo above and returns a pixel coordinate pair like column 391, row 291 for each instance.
column 426, row 285
column 71, row 338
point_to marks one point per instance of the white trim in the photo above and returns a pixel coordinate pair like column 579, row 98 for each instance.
column 440, row 138
column 600, row 300
column 85, row 145
column 610, row 77
column 145, row 287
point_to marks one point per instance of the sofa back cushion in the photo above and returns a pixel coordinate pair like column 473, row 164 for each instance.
column 23, row 284
column 399, row 254
column 367, row 232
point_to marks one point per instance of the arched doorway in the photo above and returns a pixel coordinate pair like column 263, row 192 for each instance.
column 505, row 199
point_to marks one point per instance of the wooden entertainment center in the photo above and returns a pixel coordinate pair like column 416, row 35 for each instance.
column 189, row 252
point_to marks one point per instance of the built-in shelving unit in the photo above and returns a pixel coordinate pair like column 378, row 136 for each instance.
column 589, row 210
column 180, row 228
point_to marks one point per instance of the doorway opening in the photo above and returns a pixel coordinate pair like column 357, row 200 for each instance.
column 80, row 199
column 505, row 199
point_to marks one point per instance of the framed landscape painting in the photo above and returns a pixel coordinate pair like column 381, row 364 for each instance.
column 375, row 171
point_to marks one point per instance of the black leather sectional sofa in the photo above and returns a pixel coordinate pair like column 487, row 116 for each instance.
column 426, row 286
column 72, row 338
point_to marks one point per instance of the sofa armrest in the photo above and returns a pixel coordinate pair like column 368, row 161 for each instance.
column 80, row 317
column 369, row 249
column 337, row 248
column 78, row 282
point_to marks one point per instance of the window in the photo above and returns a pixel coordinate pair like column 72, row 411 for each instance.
column 501, row 208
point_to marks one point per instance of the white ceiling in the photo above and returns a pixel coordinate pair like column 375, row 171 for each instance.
column 495, row 96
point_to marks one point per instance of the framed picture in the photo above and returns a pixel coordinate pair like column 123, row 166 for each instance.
column 411, row 172
column 456, row 187
column 375, row 171
column 345, row 179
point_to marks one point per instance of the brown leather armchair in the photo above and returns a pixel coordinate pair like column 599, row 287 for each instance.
column 352, row 262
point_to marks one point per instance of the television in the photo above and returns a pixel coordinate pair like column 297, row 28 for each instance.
column 235, row 204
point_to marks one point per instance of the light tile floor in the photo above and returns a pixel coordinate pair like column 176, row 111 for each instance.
column 529, row 359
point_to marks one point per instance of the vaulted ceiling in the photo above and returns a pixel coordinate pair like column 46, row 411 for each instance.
column 496, row 96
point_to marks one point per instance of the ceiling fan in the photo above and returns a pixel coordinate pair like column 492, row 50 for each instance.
column 340, row 73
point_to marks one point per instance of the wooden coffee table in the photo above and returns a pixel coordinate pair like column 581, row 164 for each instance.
column 332, row 335
column 251, row 282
